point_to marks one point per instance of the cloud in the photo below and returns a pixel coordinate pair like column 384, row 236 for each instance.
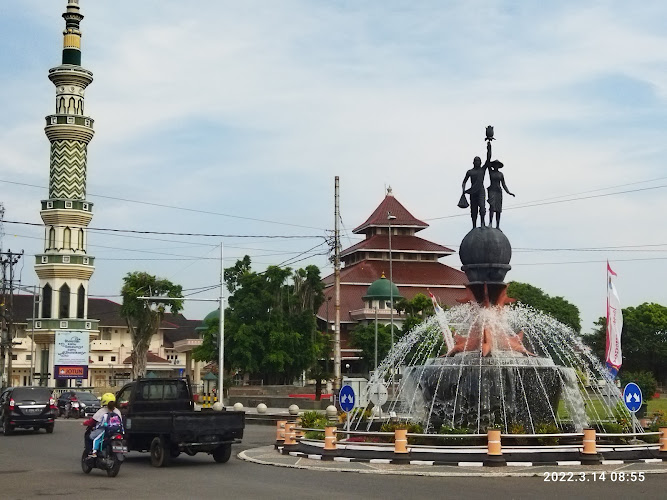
column 251, row 108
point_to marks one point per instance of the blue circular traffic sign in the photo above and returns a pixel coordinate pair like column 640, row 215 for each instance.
column 346, row 398
column 632, row 397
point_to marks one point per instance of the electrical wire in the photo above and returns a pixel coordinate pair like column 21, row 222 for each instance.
column 206, row 235
column 173, row 207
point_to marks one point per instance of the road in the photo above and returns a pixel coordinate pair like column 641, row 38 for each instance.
column 47, row 466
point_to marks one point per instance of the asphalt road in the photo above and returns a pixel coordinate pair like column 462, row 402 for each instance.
column 47, row 466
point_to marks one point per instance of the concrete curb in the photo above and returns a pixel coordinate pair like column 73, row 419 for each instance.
column 267, row 455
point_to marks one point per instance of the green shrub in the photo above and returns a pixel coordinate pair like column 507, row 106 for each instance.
column 658, row 419
column 446, row 429
column 547, row 428
column 313, row 420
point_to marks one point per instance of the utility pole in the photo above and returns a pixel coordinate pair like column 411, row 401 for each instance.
column 7, row 260
column 337, row 356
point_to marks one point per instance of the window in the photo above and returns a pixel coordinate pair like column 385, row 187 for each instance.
column 15, row 357
column 80, row 240
column 67, row 238
column 151, row 391
column 46, row 301
column 80, row 302
column 52, row 238
column 28, row 357
column 64, row 301
column 113, row 358
column 106, row 335
column 124, row 396
column 100, row 358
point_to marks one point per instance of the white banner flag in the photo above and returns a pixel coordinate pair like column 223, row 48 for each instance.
column 614, row 325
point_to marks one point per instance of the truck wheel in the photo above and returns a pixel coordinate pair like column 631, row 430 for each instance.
column 222, row 453
column 49, row 428
column 159, row 452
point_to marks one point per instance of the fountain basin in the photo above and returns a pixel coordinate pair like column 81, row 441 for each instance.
column 473, row 392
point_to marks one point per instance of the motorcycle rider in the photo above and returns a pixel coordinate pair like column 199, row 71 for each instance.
column 107, row 418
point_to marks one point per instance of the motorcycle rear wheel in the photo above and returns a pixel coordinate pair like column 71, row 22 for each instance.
column 115, row 468
column 85, row 466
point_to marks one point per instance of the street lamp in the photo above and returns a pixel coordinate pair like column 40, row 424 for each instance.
column 390, row 218
column 376, row 339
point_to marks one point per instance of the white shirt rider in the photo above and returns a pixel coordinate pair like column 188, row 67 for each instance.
column 99, row 414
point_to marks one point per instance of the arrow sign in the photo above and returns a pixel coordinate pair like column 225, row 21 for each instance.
column 347, row 398
column 632, row 395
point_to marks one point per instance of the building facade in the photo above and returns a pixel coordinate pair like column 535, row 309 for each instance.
column 109, row 363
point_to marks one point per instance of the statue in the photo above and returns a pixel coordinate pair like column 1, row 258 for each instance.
column 476, row 189
column 495, row 192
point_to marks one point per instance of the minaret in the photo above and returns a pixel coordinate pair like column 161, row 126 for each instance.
column 65, row 267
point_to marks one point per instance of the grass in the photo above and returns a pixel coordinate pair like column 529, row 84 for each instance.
column 596, row 407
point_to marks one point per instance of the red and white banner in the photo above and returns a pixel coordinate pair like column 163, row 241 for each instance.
column 614, row 355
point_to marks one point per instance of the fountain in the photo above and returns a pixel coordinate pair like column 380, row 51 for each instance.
column 489, row 362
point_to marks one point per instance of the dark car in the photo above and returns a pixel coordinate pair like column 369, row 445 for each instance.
column 77, row 404
column 27, row 407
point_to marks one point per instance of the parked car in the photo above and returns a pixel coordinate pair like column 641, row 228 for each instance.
column 77, row 404
column 27, row 407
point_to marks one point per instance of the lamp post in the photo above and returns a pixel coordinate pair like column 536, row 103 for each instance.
column 326, row 366
column 390, row 218
column 376, row 340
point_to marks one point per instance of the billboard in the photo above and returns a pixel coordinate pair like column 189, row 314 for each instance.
column 70, row 356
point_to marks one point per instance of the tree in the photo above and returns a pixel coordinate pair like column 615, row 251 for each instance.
column 363, row 337
column 557, row 307
column 643, row 339
column 416, row 310
column 143, row 317
column 270, row 327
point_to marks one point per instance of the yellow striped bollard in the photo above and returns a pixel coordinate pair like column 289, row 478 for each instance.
column 494, row 449
column 330, row 448
column 589, row 453
column 290, row 435
column 280, row 433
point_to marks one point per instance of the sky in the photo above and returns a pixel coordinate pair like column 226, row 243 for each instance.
column 233, row 118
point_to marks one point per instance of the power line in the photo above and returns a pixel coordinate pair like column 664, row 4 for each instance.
column 174, row 207
column 205, row 235
column 553, row 202
column 586, row 261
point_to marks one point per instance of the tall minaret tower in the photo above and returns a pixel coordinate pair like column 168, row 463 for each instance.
column 65, row 267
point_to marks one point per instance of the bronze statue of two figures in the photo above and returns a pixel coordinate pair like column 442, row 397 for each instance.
column 476, row 190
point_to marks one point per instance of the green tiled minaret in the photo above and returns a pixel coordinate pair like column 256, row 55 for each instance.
column 65, row 267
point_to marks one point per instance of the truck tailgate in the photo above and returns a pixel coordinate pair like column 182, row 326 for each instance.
column 207, row 425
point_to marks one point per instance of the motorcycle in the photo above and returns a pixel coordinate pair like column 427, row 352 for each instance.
column 72, row 409
column 109, row 458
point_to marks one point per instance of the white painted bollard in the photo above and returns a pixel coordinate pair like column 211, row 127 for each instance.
column 238, row 407
column 218, row 406
column 293, row 410
column 261, row 408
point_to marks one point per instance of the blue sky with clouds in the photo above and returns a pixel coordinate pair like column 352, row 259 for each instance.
column 251, row 108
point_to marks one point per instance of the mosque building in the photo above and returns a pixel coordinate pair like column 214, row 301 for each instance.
column 411, row 261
